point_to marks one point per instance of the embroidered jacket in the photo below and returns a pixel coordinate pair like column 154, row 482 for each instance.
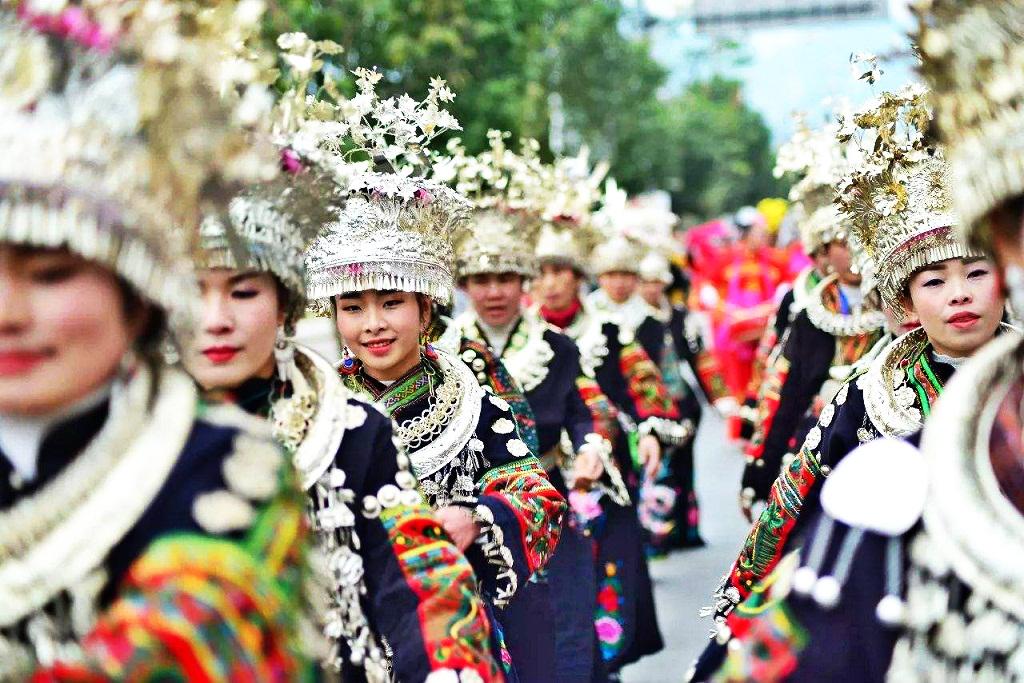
column 398, row 577
column 910, row 580
column 625, row 374
column 569, row 411
column 465, row 449
column 889, row 397
column 156, row 541
column 770, row 346
column 819, row 350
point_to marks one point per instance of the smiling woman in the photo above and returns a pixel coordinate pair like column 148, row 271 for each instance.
column 378, row 275
column 66, row 326
column 384, row 329
column 122, row 509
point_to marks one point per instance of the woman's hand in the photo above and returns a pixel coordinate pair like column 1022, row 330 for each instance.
column 459, row 524
column 587, row 468
column 649, row 451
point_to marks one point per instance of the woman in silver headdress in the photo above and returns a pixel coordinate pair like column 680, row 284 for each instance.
column 952, row 290
column 377, row 270
column 140, row 538
column 401, row 598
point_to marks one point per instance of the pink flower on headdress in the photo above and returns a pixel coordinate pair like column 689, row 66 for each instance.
column 290, row 161
column 353, row 269
column 72, row 23
column 424, row 197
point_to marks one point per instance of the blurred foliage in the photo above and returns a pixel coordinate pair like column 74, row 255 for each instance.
column 505, row 58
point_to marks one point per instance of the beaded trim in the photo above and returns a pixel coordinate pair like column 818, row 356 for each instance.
column 854, row 324
column 527, row 354
column 891, row 403
column 449, row 423
column 53, row 540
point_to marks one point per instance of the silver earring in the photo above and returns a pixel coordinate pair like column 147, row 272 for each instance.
column 284, row 353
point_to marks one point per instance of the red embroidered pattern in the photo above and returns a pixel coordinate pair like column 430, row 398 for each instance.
column 524, row 487
column 603, row 411
column 645, row 385
column 453, row 624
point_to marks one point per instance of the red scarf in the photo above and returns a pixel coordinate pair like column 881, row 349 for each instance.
column 562, row 319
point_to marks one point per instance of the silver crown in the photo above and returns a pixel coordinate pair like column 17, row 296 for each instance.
column 394, row 234
column 898, row 200
column 112, row 148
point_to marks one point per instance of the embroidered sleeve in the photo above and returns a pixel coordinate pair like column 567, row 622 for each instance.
column 830, row 624
column 766, row 403
column 795, row 488
column 518, row 509
column 649, row 393
column 423, row 593
column 807, row 355
column 767, row 639
column 205, row 608
column 603, row 424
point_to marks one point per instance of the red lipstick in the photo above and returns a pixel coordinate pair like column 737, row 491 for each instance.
column 13, row 363
column 963, row 321
column 218, row 355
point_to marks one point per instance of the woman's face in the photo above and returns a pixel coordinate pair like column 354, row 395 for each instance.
column 238, row 327
column 382, row 329
column 557, row 287
column 959, row 304
column 840, row 262
column 63, row 329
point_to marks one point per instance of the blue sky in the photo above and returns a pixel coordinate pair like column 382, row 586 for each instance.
column 803, row 67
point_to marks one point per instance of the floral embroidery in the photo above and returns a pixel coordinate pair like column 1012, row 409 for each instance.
column 524, row 488
column 766, row 541
column 433, row 566
column 609, row 620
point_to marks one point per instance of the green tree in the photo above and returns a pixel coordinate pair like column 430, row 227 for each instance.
column 505, row 59
column 725, row 158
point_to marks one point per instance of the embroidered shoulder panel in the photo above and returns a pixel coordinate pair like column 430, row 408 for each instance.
column 893, row 405
column 822, row 316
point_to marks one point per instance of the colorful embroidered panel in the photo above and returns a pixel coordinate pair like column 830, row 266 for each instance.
column 443, row 581
column 643, row 380
column 604, row 412
column 609, row 620
column 198, row 608
column 767, row 404
column 491, row 372
column 764, row 545
column 767, row 642
column 524, row 488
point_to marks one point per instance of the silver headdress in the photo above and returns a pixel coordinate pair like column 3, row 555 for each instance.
column 972, row 56
column 572, row 188
column 630, row 229
column 396, row 229
column 898, row 200
column 383, row 240
column 819, row 161
column 506, row 189
column 655, row 267
column 269, row 226
column 115, row 138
